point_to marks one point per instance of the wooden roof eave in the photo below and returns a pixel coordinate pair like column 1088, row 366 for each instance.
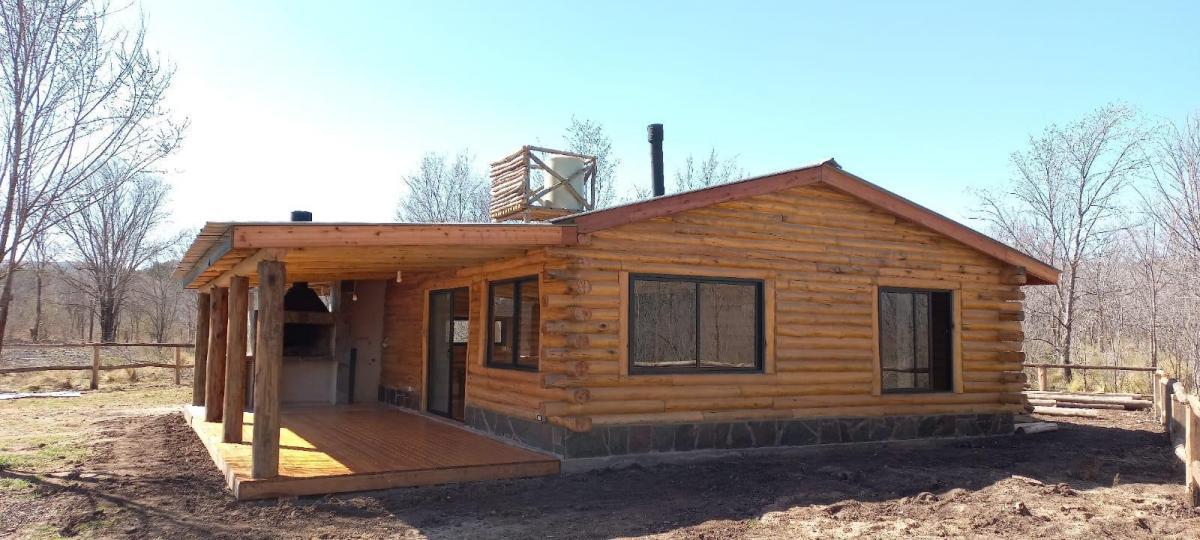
column 357, row 250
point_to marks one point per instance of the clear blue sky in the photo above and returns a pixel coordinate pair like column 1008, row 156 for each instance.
column 301, row 105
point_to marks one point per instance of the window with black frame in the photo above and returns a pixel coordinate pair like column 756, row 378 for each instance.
column 915, row 340
column 516, row 318
column 688, row 325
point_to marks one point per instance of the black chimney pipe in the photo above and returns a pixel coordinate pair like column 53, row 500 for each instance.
column 654, row 133
column 301, row 215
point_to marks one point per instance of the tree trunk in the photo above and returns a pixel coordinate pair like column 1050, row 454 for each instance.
column 17, row 136
column 36, row 331
column 108, row 315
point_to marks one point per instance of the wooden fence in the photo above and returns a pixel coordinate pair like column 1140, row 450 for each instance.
column 1043, row 379
column 1179, row 413
column 95, row 366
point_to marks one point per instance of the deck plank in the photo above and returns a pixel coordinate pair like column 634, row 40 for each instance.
column 358, row 447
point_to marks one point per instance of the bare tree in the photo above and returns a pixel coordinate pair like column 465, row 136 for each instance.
column 162, row 298
column 75, row 94
column 1150, row 280
column 1062, row 206
column 445, row 190
column 587, row 137
column 1174, row 200
column 711, row 171
column 113, row 238
column 42, row 251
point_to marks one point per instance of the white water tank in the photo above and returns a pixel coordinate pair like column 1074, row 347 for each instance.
column 570, row 168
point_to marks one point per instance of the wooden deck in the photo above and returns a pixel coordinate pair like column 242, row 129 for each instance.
column 364, row 447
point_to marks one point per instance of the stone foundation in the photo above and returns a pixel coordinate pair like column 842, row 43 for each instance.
column 604, row 441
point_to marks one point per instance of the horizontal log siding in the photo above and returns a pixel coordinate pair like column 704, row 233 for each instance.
column 514, row 393
column 401, row 359
column 825, row 252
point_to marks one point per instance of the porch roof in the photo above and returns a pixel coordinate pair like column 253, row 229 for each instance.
column 335, row 251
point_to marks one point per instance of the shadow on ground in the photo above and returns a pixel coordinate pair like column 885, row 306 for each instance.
column 155, row 479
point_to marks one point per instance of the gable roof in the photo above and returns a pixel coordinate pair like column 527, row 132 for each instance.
column 831, row 174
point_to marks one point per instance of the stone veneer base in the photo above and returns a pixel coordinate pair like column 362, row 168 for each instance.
column 607, row 441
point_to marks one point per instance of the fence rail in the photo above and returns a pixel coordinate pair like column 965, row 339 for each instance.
column 95, row 367
column 1179, row 413
column 1043, row 379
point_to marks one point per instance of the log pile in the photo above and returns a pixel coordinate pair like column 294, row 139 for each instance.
column 1086, row 400
column 1066, row 403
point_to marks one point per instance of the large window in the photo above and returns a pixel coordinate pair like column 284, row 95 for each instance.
column 915, row 340
column 516, row 319
column 686, row 324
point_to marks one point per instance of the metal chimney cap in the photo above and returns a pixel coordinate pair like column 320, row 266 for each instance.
column 301, row 215
column 654, row 133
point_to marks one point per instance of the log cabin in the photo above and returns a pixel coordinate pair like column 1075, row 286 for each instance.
column 798, row 308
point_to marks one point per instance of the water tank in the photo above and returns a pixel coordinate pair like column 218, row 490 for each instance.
column 570, row 168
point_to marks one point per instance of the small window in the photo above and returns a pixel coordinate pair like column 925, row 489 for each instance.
column 462, row 331
column 516, row 321
column 685, row 324
column 915, row 340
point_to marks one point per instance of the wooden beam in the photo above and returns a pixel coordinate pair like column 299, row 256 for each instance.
column 235, row 370
column 200, row 365
column 214, row 254
column 245, row 267
column 294, row 235
column 268, row 361
column 218, row 317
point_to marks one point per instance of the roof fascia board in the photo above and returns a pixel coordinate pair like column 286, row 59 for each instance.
column 212, row 255
column 290, row 235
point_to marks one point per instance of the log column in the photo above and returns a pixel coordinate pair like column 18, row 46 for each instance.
column 268, row 362
column 218, row 322
column 200, row 363
column 235, row 363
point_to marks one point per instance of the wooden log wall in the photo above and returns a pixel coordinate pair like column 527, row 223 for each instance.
column 822, row 254
column 511, row 392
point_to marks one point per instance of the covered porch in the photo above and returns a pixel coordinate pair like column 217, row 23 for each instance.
column 363, row 447
column 304, row 436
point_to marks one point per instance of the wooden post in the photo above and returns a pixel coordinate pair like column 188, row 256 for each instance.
column 178, row 365
column 1041, row 371
column 235, row 366
column 268, row 362
column 1168, row 406
column 1156, row 397
column 200, row 363
column 251, row 340
column 218, row 322
column 1192, row 453
column 95, row 367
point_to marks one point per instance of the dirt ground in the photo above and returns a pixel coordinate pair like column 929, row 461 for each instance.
column 121, row 463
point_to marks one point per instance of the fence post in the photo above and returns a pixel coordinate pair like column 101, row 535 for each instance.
column 178, row 365
column 1192, row 449
column 1041, row 371
column 1165, row 389
column 95, row 367
column 1154, row 393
